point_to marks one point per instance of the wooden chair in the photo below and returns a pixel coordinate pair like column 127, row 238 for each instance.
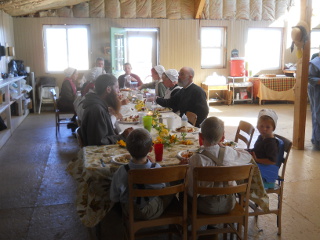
column 79, row 137
column 278, row 189
column 175, row 214
column 192, row 118
column 239, row 214
column 59, row 119
column 245, row 133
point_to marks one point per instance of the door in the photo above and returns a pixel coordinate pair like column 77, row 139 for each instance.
column 118, row 50
column 138, row 46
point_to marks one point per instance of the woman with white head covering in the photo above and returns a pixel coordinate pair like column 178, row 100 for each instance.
column 68, row 94
column 68, row 90
column 157, row 84
column 170, row 81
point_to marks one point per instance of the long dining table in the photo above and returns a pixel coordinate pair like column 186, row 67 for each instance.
column 94, row 167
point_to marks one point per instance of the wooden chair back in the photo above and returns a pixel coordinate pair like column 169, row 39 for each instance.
column 245, row 133
column 222, row 174
column 58, row 119
column 278, row 189
column 192, row 118
column 79, row 137
column 176, row 214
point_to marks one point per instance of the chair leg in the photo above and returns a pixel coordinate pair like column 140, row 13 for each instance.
column 40, row 106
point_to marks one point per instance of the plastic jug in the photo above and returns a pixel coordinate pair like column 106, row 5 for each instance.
column 184, row 120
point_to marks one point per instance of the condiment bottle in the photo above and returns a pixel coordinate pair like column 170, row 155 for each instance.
column 184, row 120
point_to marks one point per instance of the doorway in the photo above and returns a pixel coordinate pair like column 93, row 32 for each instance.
column 138, row 46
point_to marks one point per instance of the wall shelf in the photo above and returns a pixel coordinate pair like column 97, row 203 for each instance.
column 12, row 122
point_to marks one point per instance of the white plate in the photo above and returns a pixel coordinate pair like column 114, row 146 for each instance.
column 116, row 158
column 165, row 110
column 195, row 130
column 124, row 122
column 179, row 155
column 230, row 143
column 136, row 117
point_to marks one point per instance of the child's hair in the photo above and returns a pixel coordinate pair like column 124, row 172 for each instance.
column 268, row 114
column 139, row 143
column 212, row 129
column 266, row 118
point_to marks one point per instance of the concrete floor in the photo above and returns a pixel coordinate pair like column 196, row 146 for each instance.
column 37, row 196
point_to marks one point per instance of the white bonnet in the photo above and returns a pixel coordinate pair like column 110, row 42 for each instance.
column 159, row 69
column 269, row 113
column 94, row 73
column 69, row 71
column 172, row 74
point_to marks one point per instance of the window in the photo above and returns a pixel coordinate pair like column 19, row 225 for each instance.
column 213, row 43
column 264, row 49
column 314, row 41
column 66, row 46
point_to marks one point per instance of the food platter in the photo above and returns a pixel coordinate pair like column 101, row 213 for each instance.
column 162, row 109
column 133, row 119
column 121, row 159
column 187, row 129
column 186, row 154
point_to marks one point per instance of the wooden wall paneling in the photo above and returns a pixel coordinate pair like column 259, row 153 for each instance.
column 179, row 40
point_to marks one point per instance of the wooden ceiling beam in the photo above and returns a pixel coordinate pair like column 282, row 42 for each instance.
column 24, row 7
column 198, row 6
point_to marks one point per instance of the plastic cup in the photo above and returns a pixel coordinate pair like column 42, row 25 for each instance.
column 140, row 96
column 170, row 122
column 147, row 122
column 200, row 141
column 158, row 151
column 141, row 115
column 125, row 94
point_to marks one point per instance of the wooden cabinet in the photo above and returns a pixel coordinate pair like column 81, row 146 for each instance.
column 11, row 121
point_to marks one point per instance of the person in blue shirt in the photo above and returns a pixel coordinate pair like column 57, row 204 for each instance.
column 314, row 99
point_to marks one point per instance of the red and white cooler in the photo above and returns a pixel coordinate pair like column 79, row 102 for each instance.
column 237, row 67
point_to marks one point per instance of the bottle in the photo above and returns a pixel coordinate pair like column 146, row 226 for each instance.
column 184, row 120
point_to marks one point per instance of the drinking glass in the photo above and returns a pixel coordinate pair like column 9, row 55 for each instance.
column 158, row 151
column 147, row 122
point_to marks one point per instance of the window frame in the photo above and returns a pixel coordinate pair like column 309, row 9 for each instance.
column 222, row 48
column 64, row 26
column 281, row 47
column 313, row 47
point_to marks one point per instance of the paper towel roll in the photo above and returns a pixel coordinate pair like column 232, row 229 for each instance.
column 28, row 69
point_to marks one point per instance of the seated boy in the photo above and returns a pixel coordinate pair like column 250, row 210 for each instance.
column 214, row 154
column 267, row 149
column 139, row 144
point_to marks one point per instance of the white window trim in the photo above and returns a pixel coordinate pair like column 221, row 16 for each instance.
column 221, row 48
column 66, row 27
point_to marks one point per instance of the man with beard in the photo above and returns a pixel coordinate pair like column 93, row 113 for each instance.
column 191, row 98
column 96, row 126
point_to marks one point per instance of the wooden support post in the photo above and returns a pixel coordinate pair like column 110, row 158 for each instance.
column 301, row 89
